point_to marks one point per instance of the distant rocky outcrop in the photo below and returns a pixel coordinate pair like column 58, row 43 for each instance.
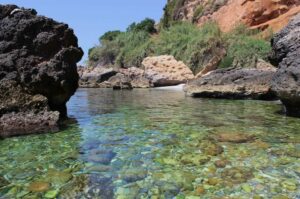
column 165, row 70
column 38, row 73
column 235, row 83
column 257, row 14
column 103, row 77
column 157, row 71
column 286, row 51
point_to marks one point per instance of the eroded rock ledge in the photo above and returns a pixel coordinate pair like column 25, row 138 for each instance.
column 235, row 83
column 38, row 72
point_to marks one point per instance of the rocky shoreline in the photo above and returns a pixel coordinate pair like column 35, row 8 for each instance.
column 262, row 82
column 234, row 83
column 157, row 72
column 38, row 73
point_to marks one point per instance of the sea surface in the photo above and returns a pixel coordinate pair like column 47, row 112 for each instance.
column 157, row 144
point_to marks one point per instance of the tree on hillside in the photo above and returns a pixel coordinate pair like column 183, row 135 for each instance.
column 147, row 25
column 110, row 36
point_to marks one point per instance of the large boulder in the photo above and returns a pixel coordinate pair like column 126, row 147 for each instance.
column 286, row 51
column 38, row 72
column 234, row 83
column 165, row 70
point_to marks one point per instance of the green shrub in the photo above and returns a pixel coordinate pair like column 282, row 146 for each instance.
column 110, row 36
column 104, row 54
column 134, row 48
column 244, row 47
column 188, row 43
column 147, row 25
column 171, row 11
column 198, row 12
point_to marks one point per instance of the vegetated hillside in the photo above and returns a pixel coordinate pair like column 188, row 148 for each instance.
column 261, row 14
column 195, row 46
column 200, row 33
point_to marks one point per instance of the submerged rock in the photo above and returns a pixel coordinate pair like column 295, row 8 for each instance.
column 101, row 156
column 286, row 81
column 221, row 163
column 58, row 177
column 195, row 159
column 129, row 191
column 233, row 83
column 233, row 137
column 75, row 187
column 38, row 73
column 134, row 174
column 210, row 148
column 237, row 175
column 39, row 186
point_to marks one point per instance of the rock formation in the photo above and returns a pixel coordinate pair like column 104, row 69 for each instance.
column 158, row 71
column 234, row 83
column 166, row 71
column 38, row 73
column 261, row 14
column 103, row 77
column 286, row 51
column 93, row 77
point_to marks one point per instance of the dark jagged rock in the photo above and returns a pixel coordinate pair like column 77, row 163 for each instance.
column 286, row 81
column 38, row 71
column 234, row 83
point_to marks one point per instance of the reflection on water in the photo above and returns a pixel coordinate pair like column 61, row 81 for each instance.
column 157, row 144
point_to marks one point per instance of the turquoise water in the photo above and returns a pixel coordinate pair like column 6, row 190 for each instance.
column 157, row 144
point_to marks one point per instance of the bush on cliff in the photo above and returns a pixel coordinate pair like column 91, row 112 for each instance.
column 170, row 13
column 134, row 47
column 188, row 43
column 244, row 47
column 147, row 25
column 110, row 36
column 121, row 49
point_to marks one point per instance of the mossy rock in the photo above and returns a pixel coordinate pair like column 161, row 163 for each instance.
column 58, row 177
column 237, row 175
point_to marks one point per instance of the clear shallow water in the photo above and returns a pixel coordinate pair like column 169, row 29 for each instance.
column 157, row 144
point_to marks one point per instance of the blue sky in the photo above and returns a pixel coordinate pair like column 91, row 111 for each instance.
column 91, row 18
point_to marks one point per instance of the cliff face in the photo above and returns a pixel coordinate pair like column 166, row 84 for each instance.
column 261, row 14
